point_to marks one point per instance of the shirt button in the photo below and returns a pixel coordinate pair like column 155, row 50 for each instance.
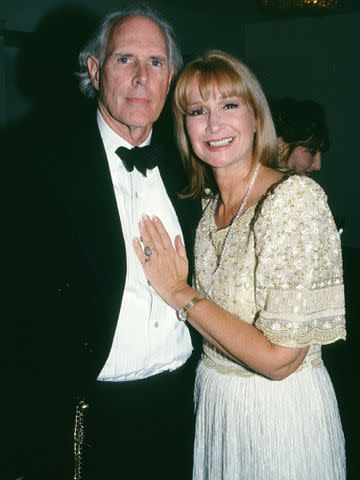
column 156, row 324
column 88, row 347
column 136, row 195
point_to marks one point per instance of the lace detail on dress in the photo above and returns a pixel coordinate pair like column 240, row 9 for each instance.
column 292, row 302
column 299, row 276
column 296, row 239
column 214, row 359
column 220, row 283
column 302, row 317
column 300, row 334
column 283, row 269
column 218, row 238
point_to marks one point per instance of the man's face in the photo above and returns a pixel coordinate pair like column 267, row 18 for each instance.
column 304, row 161
column 134, row 79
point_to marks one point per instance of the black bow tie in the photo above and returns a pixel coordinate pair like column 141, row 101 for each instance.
column 142, row 158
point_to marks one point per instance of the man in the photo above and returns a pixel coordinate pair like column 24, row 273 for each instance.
column 105, row 368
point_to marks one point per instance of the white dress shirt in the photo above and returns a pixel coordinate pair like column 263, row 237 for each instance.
column 148, row 338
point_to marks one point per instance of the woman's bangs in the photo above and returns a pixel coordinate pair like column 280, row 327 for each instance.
column 317, row 141
column 226, row 82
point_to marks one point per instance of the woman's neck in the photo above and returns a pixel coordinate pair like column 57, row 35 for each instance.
column 235, row 190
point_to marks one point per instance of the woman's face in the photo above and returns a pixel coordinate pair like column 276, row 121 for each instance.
column 304, row 161
column 221, row 130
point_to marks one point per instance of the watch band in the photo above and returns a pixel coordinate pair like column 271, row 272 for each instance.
column 183, row 313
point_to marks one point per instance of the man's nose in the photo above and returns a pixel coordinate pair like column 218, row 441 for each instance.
column 141, row 76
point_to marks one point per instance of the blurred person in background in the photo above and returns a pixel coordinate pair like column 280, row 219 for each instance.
column 302, row 134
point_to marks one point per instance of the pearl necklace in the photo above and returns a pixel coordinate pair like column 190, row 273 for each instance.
column 230, row 232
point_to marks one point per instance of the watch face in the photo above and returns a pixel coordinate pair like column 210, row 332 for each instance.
column 182, row 315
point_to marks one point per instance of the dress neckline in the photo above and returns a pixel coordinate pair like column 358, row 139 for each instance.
column 215, row 228
column 224, row 235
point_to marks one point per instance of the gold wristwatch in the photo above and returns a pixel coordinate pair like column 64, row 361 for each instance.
column 183, row 313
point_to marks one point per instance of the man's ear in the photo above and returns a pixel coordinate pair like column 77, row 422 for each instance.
column 171, row 74
column 94, row 71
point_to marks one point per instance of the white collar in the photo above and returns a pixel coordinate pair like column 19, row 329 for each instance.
column 111, row 139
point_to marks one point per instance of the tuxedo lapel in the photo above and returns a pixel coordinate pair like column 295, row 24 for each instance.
column 91, row 207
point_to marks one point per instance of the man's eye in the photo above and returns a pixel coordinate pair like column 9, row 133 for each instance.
column 123, row 59
column 231, row 105
column 195, row 111
column 155, row 62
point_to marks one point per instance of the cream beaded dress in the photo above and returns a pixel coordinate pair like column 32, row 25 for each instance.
column 282, row 272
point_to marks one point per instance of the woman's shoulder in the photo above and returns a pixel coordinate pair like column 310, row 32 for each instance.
column 295, row 189
column 293, row 198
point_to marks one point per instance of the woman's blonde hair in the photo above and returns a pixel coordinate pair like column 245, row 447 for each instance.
column 220, row 70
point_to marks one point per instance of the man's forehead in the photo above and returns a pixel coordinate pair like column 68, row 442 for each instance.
column 138, row 32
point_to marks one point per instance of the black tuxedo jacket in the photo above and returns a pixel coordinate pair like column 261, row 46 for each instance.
column 73, row 258
column 64, row 262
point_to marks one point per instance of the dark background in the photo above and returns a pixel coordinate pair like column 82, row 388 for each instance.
column 306, row 54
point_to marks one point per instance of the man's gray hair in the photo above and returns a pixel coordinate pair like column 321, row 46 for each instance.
column 97, row 45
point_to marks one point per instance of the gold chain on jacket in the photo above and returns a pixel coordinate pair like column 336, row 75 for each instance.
column 79, row 437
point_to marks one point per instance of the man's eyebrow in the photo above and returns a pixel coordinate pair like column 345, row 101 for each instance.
column 122, row 54
column 159, row 57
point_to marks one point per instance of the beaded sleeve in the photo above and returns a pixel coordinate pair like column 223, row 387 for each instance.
column 298, row 280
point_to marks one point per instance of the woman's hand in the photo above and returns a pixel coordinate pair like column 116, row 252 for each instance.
column 165, row 264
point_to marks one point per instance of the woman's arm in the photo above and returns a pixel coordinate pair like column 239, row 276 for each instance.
column 240, row 340
column 167, row 268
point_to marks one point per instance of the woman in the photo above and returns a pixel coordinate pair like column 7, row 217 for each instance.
column 302, row 134
column 267, row 291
